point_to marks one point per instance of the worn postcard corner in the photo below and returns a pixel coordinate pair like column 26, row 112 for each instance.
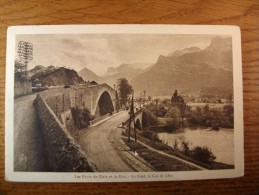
column 120, row 103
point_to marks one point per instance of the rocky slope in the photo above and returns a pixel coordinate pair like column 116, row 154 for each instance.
column 127, row 71
column 51, row 76
column 189, row 70
column 88, row 75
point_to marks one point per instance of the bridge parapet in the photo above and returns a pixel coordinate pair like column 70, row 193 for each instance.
column 63, row 99
column 137, row 119
column 63, row 153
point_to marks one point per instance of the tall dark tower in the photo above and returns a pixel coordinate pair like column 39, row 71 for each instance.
column 25, row 52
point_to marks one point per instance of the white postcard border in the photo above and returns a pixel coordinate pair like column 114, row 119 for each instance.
column 238, row 171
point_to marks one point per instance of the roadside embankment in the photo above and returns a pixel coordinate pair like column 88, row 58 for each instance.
column 63, row 153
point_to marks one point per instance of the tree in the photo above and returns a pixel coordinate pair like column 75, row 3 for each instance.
column 81, row 117
column 178, row 101
column 124, row 90
column 19, row 70
column 149, row 98
column 175, row 94
column 203, row 154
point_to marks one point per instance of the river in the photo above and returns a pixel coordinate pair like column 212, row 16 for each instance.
column 220, row 142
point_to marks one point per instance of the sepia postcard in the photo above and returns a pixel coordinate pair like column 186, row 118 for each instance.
column 123, row 103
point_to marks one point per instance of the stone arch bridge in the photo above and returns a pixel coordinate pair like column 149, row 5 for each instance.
column 98, row 99
column 137, row 119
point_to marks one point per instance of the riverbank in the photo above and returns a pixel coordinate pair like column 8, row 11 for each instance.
column 157, row 161
column 219, row 143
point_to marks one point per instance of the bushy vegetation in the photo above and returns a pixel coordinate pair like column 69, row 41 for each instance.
column 182, row 115
column 81, row 117
column 170, row 121
column 158, row 108
column 212, row 118
column 171, row 125
column 150, row 135
column 202, row 154
column 173, row 115
column 149, row 119
column 198, row 153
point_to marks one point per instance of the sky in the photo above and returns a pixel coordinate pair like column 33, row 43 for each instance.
column 97, row 52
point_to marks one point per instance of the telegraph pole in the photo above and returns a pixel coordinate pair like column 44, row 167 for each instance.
column 132, row 118
column 133, row 113
column 25, row 51
column 129, row 125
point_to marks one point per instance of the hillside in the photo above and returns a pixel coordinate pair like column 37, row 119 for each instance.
column 88, row 75
column 184, row 51
column 190, row 70
column 51, row 76
column 40, row 69
column 127, row 71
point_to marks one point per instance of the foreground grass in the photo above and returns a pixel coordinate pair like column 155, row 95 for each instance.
column 158, row 161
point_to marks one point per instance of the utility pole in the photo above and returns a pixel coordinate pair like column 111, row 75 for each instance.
column 133, row 113
column 25, row 52
column 129, row 125
column 132, row 118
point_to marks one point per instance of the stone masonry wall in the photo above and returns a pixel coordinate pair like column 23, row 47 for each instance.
column 67, row 120
column 62, row 99
column 63, row 154
column 58, row 100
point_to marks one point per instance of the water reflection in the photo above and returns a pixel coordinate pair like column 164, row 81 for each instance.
column 220, row 142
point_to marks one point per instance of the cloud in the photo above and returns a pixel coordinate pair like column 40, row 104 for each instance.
column 100, row 51
column 93, row 54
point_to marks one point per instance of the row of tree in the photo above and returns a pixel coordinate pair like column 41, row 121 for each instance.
column 181, row 114
column 208, row 117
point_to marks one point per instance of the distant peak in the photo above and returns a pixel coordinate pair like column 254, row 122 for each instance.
column 177, row 53
column 84, row 69
column 217, row 41
column 126, row 67
column 88, row 75
column 111, row 70
column 161, row 57
column 220, row 43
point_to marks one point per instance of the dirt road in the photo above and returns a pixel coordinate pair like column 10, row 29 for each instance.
column 28, row 141
column 103, row 145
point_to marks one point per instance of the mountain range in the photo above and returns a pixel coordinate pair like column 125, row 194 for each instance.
column 189, row 70
column 128, row 71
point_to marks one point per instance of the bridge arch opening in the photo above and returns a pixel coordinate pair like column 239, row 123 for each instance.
column 138, row 124
column 105, row 105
